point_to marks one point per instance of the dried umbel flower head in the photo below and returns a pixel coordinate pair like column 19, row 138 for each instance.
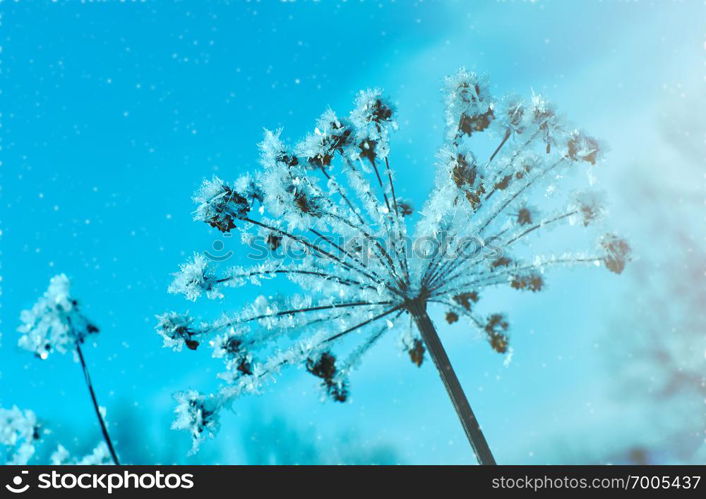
column 220, row 205
column 496, row 327
column 54, row 323
column 617, row 253
column 177, row 330
column 324, row 367
column 525, row 216
column 230, row 347
column 589, row 207
column 466, row 299
column 581, row 147
column 469, row 106
column 451, row 317
column 332, row 197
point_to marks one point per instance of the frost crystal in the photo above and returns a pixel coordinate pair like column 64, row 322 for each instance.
column 177, row 330
column 331, row 197
column 194, row 278
column 219, row 205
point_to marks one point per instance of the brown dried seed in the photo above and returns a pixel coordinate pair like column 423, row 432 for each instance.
column 524, row 216
column 531, row 282
column 324, row 367
column 618, row 253
column 416, row 353
column 503, row 183
column 469, row 124
column 451, row 317
column 244, row 367
column 499, row 343
column 496, row 324
column 502, row 261
column 465, row 299
column 367, row 150
column 305, row 205
column 224, row 223
column 463, row 173
column 405, row 208
column 274, row 241
column 475, row 197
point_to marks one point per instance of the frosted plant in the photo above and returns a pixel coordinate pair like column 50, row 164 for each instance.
column 330, row 216
column 19, row 432
column 56, row 324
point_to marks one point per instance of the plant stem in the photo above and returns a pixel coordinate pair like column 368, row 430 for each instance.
column 453, row 387
column 104, row 429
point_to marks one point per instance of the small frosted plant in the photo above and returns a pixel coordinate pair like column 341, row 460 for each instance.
column 329, row 214
column 19, row 433
column 100, row 455
column 56, row 324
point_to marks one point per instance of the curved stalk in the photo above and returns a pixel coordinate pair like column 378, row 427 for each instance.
column 471, row 427
column 104, row 429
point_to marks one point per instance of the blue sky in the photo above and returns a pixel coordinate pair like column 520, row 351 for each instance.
column 112, row 113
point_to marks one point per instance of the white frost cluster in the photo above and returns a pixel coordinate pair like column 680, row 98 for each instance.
column 372, row 119
column 18, row 433
column 198, row 414
column 194, row 278
column 469, row 106
column 100, row 455
column 220, row 205
column 177, row 330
